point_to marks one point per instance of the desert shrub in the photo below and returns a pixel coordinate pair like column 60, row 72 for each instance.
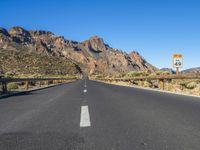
column 154, row 84
column 147, row 84
column 119, row 75
column 162, row 72
column 33, row 83
column 11, row 86
column 137, row 74
column 191, row 85
column 98, row 76
column 9, row 74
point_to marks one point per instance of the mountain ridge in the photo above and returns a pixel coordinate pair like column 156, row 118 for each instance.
column 92, row 55
column 192, row 70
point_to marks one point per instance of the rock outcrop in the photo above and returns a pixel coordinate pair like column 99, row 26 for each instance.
column 91, row 55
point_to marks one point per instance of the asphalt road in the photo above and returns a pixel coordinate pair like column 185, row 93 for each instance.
column 88, row 115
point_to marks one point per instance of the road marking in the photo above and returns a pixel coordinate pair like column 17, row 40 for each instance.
column 85, row 83
column 85, row 90
column 85, row 117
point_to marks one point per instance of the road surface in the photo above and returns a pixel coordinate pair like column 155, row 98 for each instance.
column 89, row 115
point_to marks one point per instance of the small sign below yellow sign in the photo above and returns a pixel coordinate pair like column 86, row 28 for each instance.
column 177, row 60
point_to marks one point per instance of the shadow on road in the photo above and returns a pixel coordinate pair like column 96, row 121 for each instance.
column 11, row 94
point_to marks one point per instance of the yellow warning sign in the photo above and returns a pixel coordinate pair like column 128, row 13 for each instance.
column 177, row 56
column 177, row 60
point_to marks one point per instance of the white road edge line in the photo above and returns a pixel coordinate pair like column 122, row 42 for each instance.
column 85, row 117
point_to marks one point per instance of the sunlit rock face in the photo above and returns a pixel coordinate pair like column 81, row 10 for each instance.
column 91, row 55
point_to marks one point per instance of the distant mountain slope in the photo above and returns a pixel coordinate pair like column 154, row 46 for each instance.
column 169, row 70
column 21, row 62
column 91, row 55
column 192, row 70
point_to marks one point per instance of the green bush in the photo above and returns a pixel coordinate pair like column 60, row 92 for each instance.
column 147, row 84
column 160, row 72
column 11, row 86
column 137, row 74
column 191, row 85
column 9, row 74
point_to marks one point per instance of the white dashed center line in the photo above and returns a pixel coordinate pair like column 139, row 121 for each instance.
column 85, row 117
column 85, row 84
column 85, row 90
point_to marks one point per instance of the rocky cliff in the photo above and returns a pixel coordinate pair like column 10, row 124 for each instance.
column 91, row 55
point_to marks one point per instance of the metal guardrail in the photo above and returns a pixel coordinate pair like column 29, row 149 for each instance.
column 5, row 81
column 160, row 78
column 196, row 76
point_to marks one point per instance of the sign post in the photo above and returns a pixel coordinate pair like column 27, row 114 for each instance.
column 177, row 62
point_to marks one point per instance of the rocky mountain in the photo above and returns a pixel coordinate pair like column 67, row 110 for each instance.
column 91, row 56
column 20, row 63
column 192, row 70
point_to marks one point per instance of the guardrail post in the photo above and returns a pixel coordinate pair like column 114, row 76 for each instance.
column 4, row 87
column 162, row 84
column 40, row 83
column 54, row 81
column 47, row 82
column 26, row 85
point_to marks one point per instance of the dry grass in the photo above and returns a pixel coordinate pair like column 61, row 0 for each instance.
column 192, row 87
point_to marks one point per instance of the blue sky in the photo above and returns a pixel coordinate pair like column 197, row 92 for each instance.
column 154, row 28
